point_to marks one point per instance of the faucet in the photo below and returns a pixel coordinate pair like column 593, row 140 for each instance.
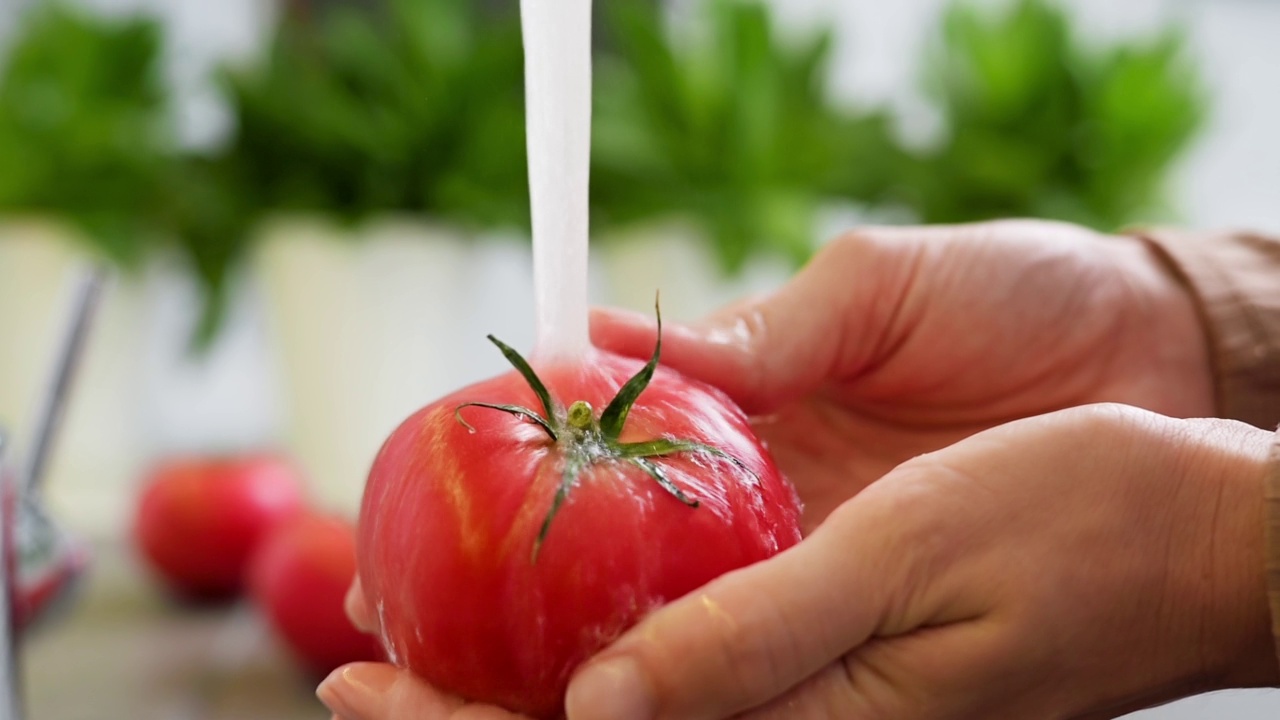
column 40, row 563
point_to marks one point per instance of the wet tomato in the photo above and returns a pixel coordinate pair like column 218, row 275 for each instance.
column 511, row 530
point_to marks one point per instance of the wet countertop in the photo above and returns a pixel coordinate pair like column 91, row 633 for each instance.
column 125, row 651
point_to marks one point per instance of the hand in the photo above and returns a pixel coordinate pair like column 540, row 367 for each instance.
column 844, row 365
column 896, row 342
column 1081, row 564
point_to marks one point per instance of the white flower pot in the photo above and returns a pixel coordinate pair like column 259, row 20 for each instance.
column 673, row 259
column 222, row 400
column 99, row 449
column 366, row 323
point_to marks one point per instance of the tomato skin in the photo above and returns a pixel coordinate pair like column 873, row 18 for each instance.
column 199, row 519
column 450, row 517
column 298, row 579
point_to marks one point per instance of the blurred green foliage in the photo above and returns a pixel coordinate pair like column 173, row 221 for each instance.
column 416, row 106
column 1039, row 122
column 83, row 132
column 410, row 106
column 735, row 129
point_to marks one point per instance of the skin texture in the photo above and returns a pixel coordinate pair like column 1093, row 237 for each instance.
column 1006, row 516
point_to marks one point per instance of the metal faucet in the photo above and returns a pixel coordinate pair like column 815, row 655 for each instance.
column 39, row 563
column 10, row 702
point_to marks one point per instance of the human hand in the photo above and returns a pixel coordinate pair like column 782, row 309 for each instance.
column 895, row 342
column 1081, row 564
column 844, row 363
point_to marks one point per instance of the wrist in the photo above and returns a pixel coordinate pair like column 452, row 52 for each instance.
column 1228, row 546
column 1178, row 327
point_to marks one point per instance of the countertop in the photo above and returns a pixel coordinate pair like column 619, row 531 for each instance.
column 124, row 651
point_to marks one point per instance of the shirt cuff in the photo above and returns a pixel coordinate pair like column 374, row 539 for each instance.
column 1273, row 542
column 1234, row 279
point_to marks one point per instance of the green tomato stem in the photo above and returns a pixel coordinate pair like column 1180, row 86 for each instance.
column 586, row 440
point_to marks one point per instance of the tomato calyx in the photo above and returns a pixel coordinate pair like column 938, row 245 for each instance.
column 586, row 439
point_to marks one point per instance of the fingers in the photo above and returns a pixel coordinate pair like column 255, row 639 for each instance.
column 374, row 691
column 824, row 324
column 955, row 671
column 358, row 610
column 745, row 638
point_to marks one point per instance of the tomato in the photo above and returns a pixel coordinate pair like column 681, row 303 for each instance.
column 512, row 529
column 299, row 579
column 200, row 518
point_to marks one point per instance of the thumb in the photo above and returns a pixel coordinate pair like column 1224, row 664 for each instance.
column 358, row 610
column 827, row 323
column 749, row 636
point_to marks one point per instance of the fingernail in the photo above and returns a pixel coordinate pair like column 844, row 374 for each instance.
column 358, row 691
column 613, row 689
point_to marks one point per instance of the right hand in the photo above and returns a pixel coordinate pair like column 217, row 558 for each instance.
column 894, row 342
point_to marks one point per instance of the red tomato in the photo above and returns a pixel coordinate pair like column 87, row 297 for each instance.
column 299, row 578
column 503, row 547
column 199, row 519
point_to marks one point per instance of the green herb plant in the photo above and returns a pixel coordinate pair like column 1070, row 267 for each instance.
column 405, row 106
column 1040, row 123
column 84, row 133
column 735, row 130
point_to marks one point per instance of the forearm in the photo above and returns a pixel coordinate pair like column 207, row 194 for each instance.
column 1227, row 556
column 1234, row 281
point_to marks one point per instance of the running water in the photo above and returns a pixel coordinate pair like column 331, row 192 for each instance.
column 557, row 49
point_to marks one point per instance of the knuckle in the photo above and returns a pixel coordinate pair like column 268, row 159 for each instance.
column 1111, row 419
column 847, row 247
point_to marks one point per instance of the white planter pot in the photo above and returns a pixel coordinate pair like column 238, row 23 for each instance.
column 99, row 449
column 367, row 324
column 223, row 400
column 673, row 259
column 499, row 301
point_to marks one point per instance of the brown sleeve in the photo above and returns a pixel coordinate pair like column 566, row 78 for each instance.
column 1273, row 542
column 1235, row 280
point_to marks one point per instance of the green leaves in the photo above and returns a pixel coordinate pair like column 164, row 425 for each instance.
column 1038, row 123
column 734, row 129
column 84, row 129
column 417, row 107
column 402, row 106
column 516, row 410
column 663, row 481
column 522, row 366
column 614, row 416
column 583, row 442
column 574, row 463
